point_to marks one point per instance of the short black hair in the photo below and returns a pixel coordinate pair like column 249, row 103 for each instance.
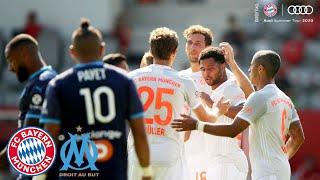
column 212, row 52
column 270, row 60
column 114, row 58
column 22, row 40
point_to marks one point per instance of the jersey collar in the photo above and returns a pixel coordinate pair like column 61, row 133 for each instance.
column 269, row 86
column 160, row 66
column 45, row 68
column 97, row 62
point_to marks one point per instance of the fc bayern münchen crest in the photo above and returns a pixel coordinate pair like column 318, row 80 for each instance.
column 270, row 9
column 31, row 151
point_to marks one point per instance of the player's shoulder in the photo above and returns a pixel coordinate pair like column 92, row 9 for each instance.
column 261, row 96
column 185, row 72
column 115, row 70
column 117, row 74
column 231, row 87
column 47, row 75
column 186, row 80
column 59, row 78
column 140, row 71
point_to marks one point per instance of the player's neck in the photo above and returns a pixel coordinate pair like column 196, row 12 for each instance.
column 195, row 67
column 163, row 62
column 36, row 66
column 223, row 79
column 262, row 84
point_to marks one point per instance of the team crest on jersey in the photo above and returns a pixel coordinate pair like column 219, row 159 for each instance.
column 31, row 151
column 36, row 99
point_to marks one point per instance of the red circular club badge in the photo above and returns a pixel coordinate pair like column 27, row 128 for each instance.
column 31, row 151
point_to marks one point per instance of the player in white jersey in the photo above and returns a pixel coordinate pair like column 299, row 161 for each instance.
column 225, row 157
column 275, row 129
column 197, row 38
column 164, row 92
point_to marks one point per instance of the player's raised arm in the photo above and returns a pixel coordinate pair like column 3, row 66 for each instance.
column 296, row 136
column 240, row 76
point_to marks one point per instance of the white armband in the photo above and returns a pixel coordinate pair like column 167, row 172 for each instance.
column 200, row 126
column 147, row 171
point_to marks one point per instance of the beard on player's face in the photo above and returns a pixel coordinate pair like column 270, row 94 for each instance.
column 193, row 58
column 22, row 73
column 214, row 79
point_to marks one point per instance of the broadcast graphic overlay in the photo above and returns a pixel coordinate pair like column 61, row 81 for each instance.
column 31, row 151
column 281, row 12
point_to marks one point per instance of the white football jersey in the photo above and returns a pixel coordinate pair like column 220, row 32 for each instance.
column 217, row 145
column 270, row 113
column 196, row 142
column 163, row 93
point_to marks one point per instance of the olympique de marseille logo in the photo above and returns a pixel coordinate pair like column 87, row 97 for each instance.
column 31, row 151
column 87, row 150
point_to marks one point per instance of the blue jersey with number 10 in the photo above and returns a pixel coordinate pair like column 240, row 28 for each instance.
column 97, row 99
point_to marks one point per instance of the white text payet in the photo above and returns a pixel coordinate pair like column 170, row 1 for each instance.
column 96, row 74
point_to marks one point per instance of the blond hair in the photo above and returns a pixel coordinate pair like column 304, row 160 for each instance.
column 198, row 29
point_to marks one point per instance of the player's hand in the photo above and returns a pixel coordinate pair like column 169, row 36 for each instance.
column 206, row 99
column 228, row 52
column 186, row 123
column 146, row 178
column 223, row 105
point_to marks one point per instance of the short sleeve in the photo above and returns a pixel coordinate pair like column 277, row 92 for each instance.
column 135, row 108
column 37, row 96
column 253, row 108
column 295, row 116
column 192, row 94
column 51, row 111
column 235, row 95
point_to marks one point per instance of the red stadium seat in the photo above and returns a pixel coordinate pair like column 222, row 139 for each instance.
column 293, row 51
column 310, row 30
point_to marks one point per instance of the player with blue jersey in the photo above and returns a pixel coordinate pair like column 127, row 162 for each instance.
column 93, row 99
column 24, row 59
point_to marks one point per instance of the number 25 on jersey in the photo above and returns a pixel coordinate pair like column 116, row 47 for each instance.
column 157, row 96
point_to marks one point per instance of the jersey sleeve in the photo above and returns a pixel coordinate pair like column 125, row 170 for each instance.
column 253, row 108
column 135, row 108
column 235, row 95
column 37, row 96
column 51, row 107
column 192, row 94
column 295, row 116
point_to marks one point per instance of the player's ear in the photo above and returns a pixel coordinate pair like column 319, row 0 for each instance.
column 102, row 48
column 72, row 52
column 261, row 69
column 174, row 55
column 223, row 65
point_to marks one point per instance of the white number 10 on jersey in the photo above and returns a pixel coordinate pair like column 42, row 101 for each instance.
column 94, row 109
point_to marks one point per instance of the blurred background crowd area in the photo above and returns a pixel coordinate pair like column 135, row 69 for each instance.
column 126, row 25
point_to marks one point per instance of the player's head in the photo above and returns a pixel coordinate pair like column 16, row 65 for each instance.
column 117, row 59
column 197, row 38
column 146, row 60
column 264, row 66
column 21, row 52
column 212, row 65
column 87, row 44
column 163, row 44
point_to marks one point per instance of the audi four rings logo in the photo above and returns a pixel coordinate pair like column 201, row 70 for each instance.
column 300, row 10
